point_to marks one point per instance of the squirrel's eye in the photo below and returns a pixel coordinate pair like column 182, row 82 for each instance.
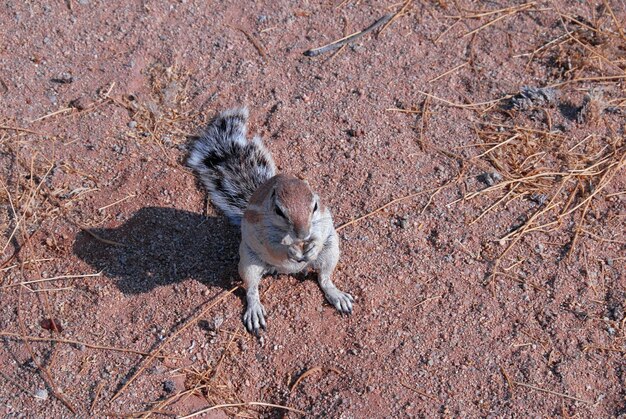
column 280, row 213
column 315, row 207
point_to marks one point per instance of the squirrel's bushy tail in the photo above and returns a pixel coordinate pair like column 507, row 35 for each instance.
column 230, row 166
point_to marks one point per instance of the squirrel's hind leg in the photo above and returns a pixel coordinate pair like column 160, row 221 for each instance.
column 325, row 265
column 251, row 271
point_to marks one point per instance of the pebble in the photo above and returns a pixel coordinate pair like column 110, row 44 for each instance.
column 132, row 124
column 80, row 103
column 217, row 322
column 354, row 132
column 53, row 98
column 63, row 78
column 41, row 394
column 169, row 386
column 159, row 369
column 490, row 179
column 539, row 199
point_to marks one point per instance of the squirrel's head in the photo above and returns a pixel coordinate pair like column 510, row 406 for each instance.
column 294, row 208
column 290, row 212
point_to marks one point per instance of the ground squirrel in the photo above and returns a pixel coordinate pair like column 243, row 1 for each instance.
column 284, row 226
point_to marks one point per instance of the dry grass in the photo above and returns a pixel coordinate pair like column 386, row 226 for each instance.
column 562, row 175
column 155, row 353
column 559, row 174
column 166, row 115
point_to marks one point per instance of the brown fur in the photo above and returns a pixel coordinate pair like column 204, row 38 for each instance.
column 258, row 197
column 296, row 196
column 252, row 216
column 293, row 193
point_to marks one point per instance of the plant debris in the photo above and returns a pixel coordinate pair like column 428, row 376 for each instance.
column 534, row 97
column 591, row 108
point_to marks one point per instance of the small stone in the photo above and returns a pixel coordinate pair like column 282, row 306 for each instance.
column 404, row 222
column 490, row 179
column 63, row 78
column 41, row 394
column 169, row 386
column 352, row 132
column 217, row 322
column 538, row 199
column 132, row 124
column 53, row 98
column 80, row 103
column 609, row 261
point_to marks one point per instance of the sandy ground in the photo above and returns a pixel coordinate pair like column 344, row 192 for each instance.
column 493, row 288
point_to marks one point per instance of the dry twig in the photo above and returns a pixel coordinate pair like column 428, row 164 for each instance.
column 346, row 39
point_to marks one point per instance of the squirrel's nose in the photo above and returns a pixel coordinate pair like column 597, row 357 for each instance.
column 303, row 234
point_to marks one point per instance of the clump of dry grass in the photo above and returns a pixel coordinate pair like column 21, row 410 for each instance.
column 562, row 175
column 214, row 385
column 583, row 48
column 559, row 174
column 165, row 115
column 592, row 107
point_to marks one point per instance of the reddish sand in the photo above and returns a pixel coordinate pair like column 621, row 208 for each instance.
column 98, row 100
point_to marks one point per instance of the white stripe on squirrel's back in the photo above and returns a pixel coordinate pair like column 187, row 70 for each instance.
column 230, row 167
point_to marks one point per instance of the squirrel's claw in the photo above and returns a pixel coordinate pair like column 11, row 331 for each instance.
column 342, row 301
column 254, row 318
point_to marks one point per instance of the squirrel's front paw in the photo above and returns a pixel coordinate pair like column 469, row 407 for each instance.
column 254, row 318
column 341, row 300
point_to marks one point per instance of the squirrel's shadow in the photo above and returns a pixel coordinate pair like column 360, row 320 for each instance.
column 160, row 246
